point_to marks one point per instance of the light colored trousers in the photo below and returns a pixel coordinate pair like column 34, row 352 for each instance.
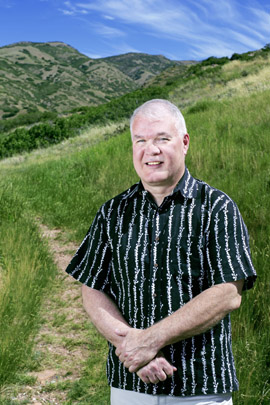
column 122, row 397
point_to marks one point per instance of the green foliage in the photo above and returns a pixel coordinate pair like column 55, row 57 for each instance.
column 25, row 271
column 45, row 134
column 33, row 116
column 214, row 61
column 200, row 106
column 252, row 54
column 229, row 149
column 60, row 78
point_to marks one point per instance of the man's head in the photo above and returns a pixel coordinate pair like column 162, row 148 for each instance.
column 158, row 107
column 160, row 143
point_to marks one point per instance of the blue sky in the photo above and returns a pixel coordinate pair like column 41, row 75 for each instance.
column 177, row 29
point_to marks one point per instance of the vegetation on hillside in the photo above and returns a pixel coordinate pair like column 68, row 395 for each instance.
column 59, row 128
column 213, row 78
column 226, row 106
column 26, row 270
column 53, row 76
column 141, row 67
column 229, row 143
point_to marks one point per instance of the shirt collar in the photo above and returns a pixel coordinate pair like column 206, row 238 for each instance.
column 187, row 186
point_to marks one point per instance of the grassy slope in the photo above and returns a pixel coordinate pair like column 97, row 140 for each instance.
column 65, row 185
column 229, row 149
column 26, row 270
column 215, row 82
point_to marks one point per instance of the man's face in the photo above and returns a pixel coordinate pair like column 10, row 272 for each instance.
column 158, row 150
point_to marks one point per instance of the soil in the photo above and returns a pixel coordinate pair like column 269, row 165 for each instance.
column 60, row 358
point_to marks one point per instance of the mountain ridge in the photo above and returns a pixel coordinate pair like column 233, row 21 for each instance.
column 54, row 76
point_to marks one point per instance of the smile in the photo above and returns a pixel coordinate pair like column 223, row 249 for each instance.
column 153, row 163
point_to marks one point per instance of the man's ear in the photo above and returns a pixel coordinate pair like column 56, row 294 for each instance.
column 186, row 142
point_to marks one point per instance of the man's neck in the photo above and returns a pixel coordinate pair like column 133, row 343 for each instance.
column 159, row 192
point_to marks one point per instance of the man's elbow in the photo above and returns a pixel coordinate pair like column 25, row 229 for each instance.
column 87, row 296
column 236, row 298
column 236, row 302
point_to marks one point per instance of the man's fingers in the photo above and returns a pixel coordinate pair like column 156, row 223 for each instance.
column 132, row 368
column 167, row 367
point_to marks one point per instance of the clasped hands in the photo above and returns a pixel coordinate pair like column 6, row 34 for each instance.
column 138, row 351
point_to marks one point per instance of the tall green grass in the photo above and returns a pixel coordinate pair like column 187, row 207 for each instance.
column 25, row 271
column 230, row 143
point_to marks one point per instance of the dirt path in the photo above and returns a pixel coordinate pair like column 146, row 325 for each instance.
column 61, row 344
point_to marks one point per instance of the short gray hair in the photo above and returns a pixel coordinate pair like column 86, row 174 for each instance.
column 153, row 109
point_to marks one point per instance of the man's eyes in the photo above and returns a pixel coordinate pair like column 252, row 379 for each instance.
column 161, row 139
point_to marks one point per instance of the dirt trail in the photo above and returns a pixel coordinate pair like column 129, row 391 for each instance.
column 61, row 344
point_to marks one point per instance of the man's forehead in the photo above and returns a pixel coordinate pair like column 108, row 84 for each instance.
column 156, row 134
column 155, row 125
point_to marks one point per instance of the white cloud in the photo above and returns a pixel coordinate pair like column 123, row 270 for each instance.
column 71, row 9
column 245, row 40
column 66, row 12
column 108, row 17
column 106, row 31
column 262, row 19
column 122, row 47
column 220, row 26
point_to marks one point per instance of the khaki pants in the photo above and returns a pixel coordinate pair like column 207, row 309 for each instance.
column 122, row 397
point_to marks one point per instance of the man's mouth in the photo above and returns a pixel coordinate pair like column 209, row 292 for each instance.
column 153, row 163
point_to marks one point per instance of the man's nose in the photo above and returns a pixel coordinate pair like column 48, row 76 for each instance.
column 152, row 149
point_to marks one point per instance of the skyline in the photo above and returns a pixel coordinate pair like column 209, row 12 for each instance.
column 179, row 30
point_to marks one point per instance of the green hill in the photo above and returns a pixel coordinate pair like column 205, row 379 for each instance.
column 142, row 67
column 54, row 76
column 65, row 184
column 226, row 107
column 192, row 86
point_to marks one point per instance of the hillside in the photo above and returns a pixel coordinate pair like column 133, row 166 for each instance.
column 56, row 77
column 226, row 106
column 63, row 186
column 142, row 67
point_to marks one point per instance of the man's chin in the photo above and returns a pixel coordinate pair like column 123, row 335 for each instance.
column 157, row 181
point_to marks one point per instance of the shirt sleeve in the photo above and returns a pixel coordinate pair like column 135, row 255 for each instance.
column 228, row 251
column 92, row 262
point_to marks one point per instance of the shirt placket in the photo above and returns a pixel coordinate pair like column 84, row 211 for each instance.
column 155, row 268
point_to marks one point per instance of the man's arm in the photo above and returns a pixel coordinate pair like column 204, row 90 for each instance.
column 204, row 311
column 104, row 314
column 106, row 317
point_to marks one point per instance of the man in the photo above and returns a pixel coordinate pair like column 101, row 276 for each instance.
column 163, row 265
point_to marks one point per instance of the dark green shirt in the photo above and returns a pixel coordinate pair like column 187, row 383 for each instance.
column 152, row 260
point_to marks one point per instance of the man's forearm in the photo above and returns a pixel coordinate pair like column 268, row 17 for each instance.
column 107, row 318
column 195, row 317
column 199, row 315
column 104, row 314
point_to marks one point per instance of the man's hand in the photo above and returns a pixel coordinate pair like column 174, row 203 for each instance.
column 136, row 349
column 159, row 369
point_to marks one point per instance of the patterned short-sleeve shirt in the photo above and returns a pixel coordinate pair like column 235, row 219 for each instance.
column 151, row 260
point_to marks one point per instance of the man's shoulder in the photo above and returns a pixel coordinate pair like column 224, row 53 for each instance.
column 122, row 197
column 213, row 197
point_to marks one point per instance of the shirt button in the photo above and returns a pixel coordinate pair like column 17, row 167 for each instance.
column 157, row 239
column 155, row 265
column 154, row 294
